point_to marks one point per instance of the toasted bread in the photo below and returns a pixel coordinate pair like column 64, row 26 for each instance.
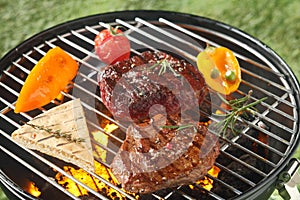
column 60, row 132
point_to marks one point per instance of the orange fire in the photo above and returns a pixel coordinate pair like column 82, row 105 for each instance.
column 110, row 128
column 100, row 169
column 61, row 96
column 223, row 107
column 89, row 180
column 33, row 189
column 102, row 138
column 206, row 182
column 105, row 172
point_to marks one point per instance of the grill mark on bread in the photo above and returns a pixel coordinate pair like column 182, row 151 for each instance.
column 37, row 135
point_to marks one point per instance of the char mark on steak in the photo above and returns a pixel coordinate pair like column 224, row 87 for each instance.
column 155, row 156
column 130, row 88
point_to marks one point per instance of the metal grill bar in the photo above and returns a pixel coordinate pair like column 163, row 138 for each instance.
column 260, row 78
column 201, row 48
column 170, row 35
column 85, row 105
column 273, row 108
column 250, row 183
column 13, row 188
column 132, row 27
column 286, row 88
column 177, row 27
column 51, row 165
column 258, row 88
column 34, row 62
column 155, row 39
column 286, row 98
column 211, row 43
column 52, row 182
column 229, row 187
column 262, row 116
column 267, row 93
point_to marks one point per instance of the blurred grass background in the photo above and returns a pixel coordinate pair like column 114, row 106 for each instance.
column 274, row 22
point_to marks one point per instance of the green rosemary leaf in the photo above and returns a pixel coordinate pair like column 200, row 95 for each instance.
column 185, row 126
column 164, row 65
column 171, row 126
column 238, row 107
column 162, row 69
column 154, row 65
column 56, row 133
column 178, row 127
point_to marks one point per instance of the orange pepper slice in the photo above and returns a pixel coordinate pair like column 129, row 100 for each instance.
column 220, row 69
column 46, row 80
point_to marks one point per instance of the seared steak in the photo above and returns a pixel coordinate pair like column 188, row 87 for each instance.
column 159, row 155
column 130, row 88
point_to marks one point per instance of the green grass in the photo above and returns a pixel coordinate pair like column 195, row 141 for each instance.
column 275, row 23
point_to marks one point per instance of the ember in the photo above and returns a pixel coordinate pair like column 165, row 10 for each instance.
column 102, row 138
column 89, row 180
column 110, row 128
column 206, row 182
column 33, row 190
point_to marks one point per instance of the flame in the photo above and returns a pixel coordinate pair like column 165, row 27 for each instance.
column 89, row 180
column 61, row 95
column 207, row 183
column 110, row 128
column 256, row 147
column 106, row 173
column 214, row 171
column 100, row 169
column 219, row 112
column 223, row 107
column 102, row 138
column 33, row 189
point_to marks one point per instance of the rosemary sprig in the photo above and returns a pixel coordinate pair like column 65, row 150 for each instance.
column 238, row 107
column 56, row 133
column 179, row 127
column 164, row 65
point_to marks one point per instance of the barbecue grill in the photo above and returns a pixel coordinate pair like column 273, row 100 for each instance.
column 250, row 165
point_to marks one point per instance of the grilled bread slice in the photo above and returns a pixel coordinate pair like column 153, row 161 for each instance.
column 60, row 132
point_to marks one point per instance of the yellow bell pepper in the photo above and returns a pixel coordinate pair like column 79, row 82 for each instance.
column 220, row 69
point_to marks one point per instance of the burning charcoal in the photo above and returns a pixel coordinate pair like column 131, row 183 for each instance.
column 241, row 170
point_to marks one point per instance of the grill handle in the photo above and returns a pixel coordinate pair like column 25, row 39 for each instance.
column 288, row 180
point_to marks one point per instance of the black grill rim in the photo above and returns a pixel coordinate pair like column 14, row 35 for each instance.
column 180, row 18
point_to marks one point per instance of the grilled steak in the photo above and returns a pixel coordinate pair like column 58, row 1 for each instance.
column 130, row 88
column 153, row 158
